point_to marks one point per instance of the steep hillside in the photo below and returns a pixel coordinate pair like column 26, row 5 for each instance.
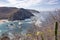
column 21, row 14
column 5, row 12
column 13, row 13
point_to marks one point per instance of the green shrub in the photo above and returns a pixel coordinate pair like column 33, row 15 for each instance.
column 56, row 30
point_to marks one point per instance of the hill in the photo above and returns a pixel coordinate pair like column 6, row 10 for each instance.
column 13, row 13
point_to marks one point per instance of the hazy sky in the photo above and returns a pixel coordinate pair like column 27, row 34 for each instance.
column 32, row 4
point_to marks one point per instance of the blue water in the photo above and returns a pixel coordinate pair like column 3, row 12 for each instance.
column 12, row 26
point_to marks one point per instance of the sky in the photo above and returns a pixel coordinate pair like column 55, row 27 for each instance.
column 32, row 4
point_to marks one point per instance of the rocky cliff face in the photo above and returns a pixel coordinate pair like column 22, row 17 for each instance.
column 12, row 13
column 21, row 14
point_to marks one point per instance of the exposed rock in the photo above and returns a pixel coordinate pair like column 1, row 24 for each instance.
column 21, row 14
